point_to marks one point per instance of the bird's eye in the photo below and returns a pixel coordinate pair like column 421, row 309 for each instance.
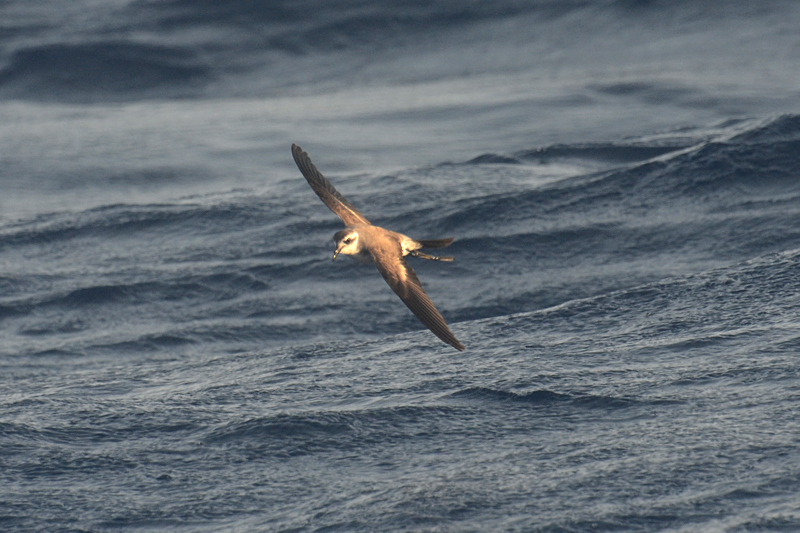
column 348, row 240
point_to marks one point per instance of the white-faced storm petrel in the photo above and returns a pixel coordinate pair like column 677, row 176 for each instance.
column 386, row 249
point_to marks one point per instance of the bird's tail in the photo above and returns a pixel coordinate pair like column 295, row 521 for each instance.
column 436, row 243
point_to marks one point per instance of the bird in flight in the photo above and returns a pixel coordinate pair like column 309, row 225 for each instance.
column 386, row 249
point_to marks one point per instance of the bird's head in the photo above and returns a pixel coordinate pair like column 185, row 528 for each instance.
column 347, row 242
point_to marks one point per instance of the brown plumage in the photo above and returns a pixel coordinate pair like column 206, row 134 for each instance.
column 386, row 249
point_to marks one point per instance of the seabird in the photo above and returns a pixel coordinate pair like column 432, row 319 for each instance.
column 386, row 249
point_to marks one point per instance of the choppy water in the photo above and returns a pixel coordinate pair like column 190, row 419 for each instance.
column 179, row 353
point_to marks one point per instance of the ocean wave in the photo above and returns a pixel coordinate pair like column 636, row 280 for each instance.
column 705, row 310
column 493, row 159
column 106, row 69
column 302, row 433
column 607, row 153
column 147, row 343
column 120, row 220
column 780, row 129
column 299, row 27
column 762, row 157
column 548, row 398
column 247, row 257
column 764, row 168
column 212, row 287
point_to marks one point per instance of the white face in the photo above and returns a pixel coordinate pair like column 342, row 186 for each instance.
column 349, row 244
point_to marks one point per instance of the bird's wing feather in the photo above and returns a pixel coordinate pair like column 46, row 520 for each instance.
column 326, row 191
column 405, row 283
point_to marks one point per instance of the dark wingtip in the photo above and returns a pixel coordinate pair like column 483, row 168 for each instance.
column 448, row 337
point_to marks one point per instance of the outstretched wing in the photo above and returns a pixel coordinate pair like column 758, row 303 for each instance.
column 325, row 190
column 405, row 283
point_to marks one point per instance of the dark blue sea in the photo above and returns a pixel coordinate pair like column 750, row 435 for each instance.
column 178, row 352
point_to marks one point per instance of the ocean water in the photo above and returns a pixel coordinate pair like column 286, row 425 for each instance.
column 179, row 353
